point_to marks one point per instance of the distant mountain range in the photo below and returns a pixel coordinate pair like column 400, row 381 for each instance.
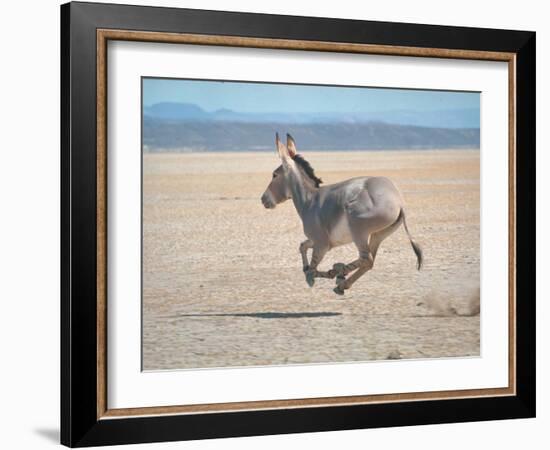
column 445, row 118
column 187, row 127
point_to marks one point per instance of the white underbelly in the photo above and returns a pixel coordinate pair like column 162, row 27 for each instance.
column 340, row 233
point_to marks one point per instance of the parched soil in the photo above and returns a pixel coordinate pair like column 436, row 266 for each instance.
column 222, row 276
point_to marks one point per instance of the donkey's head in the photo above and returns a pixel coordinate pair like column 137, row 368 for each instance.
column 293, row 167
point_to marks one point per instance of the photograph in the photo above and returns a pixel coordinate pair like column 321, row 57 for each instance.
column 287, row 224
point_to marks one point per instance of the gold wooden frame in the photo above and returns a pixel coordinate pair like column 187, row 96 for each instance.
column 103, row 36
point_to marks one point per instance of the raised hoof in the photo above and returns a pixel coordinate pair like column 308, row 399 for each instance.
column 338, row 290
column 310, row 278
column 339, row 268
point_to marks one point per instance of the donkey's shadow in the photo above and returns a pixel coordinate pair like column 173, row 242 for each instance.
column 267, row 315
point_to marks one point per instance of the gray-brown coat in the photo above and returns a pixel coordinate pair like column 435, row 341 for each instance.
column 363, row 210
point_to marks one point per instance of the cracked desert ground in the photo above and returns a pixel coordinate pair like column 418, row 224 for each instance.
column 222, row 276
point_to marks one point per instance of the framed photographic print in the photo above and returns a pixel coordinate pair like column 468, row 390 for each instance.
column 276, row 224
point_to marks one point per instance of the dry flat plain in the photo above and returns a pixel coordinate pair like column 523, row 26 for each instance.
column 222, row 276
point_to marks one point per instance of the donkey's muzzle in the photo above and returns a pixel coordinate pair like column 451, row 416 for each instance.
column 267, row 201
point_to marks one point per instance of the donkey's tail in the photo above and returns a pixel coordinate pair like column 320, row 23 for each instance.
column 415, row 246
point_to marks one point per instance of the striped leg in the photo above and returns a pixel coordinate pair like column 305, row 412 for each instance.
column 319, row 253
column 304, row 247
column 361, row 266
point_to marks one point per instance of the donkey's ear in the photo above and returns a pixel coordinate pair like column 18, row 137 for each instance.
column 291, row 145
column 281, row 148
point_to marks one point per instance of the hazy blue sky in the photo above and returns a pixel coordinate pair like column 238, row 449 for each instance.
column 262, row 98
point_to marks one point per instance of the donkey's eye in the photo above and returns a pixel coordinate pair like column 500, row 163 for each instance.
column 274, row 175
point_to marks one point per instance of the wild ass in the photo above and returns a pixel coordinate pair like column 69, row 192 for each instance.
column 362, row 210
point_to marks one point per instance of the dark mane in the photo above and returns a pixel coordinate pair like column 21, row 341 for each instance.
column 299, row 159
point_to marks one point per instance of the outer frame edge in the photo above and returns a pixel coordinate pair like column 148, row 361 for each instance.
column 526, row 223
column 101, row 432
column 65, row 334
